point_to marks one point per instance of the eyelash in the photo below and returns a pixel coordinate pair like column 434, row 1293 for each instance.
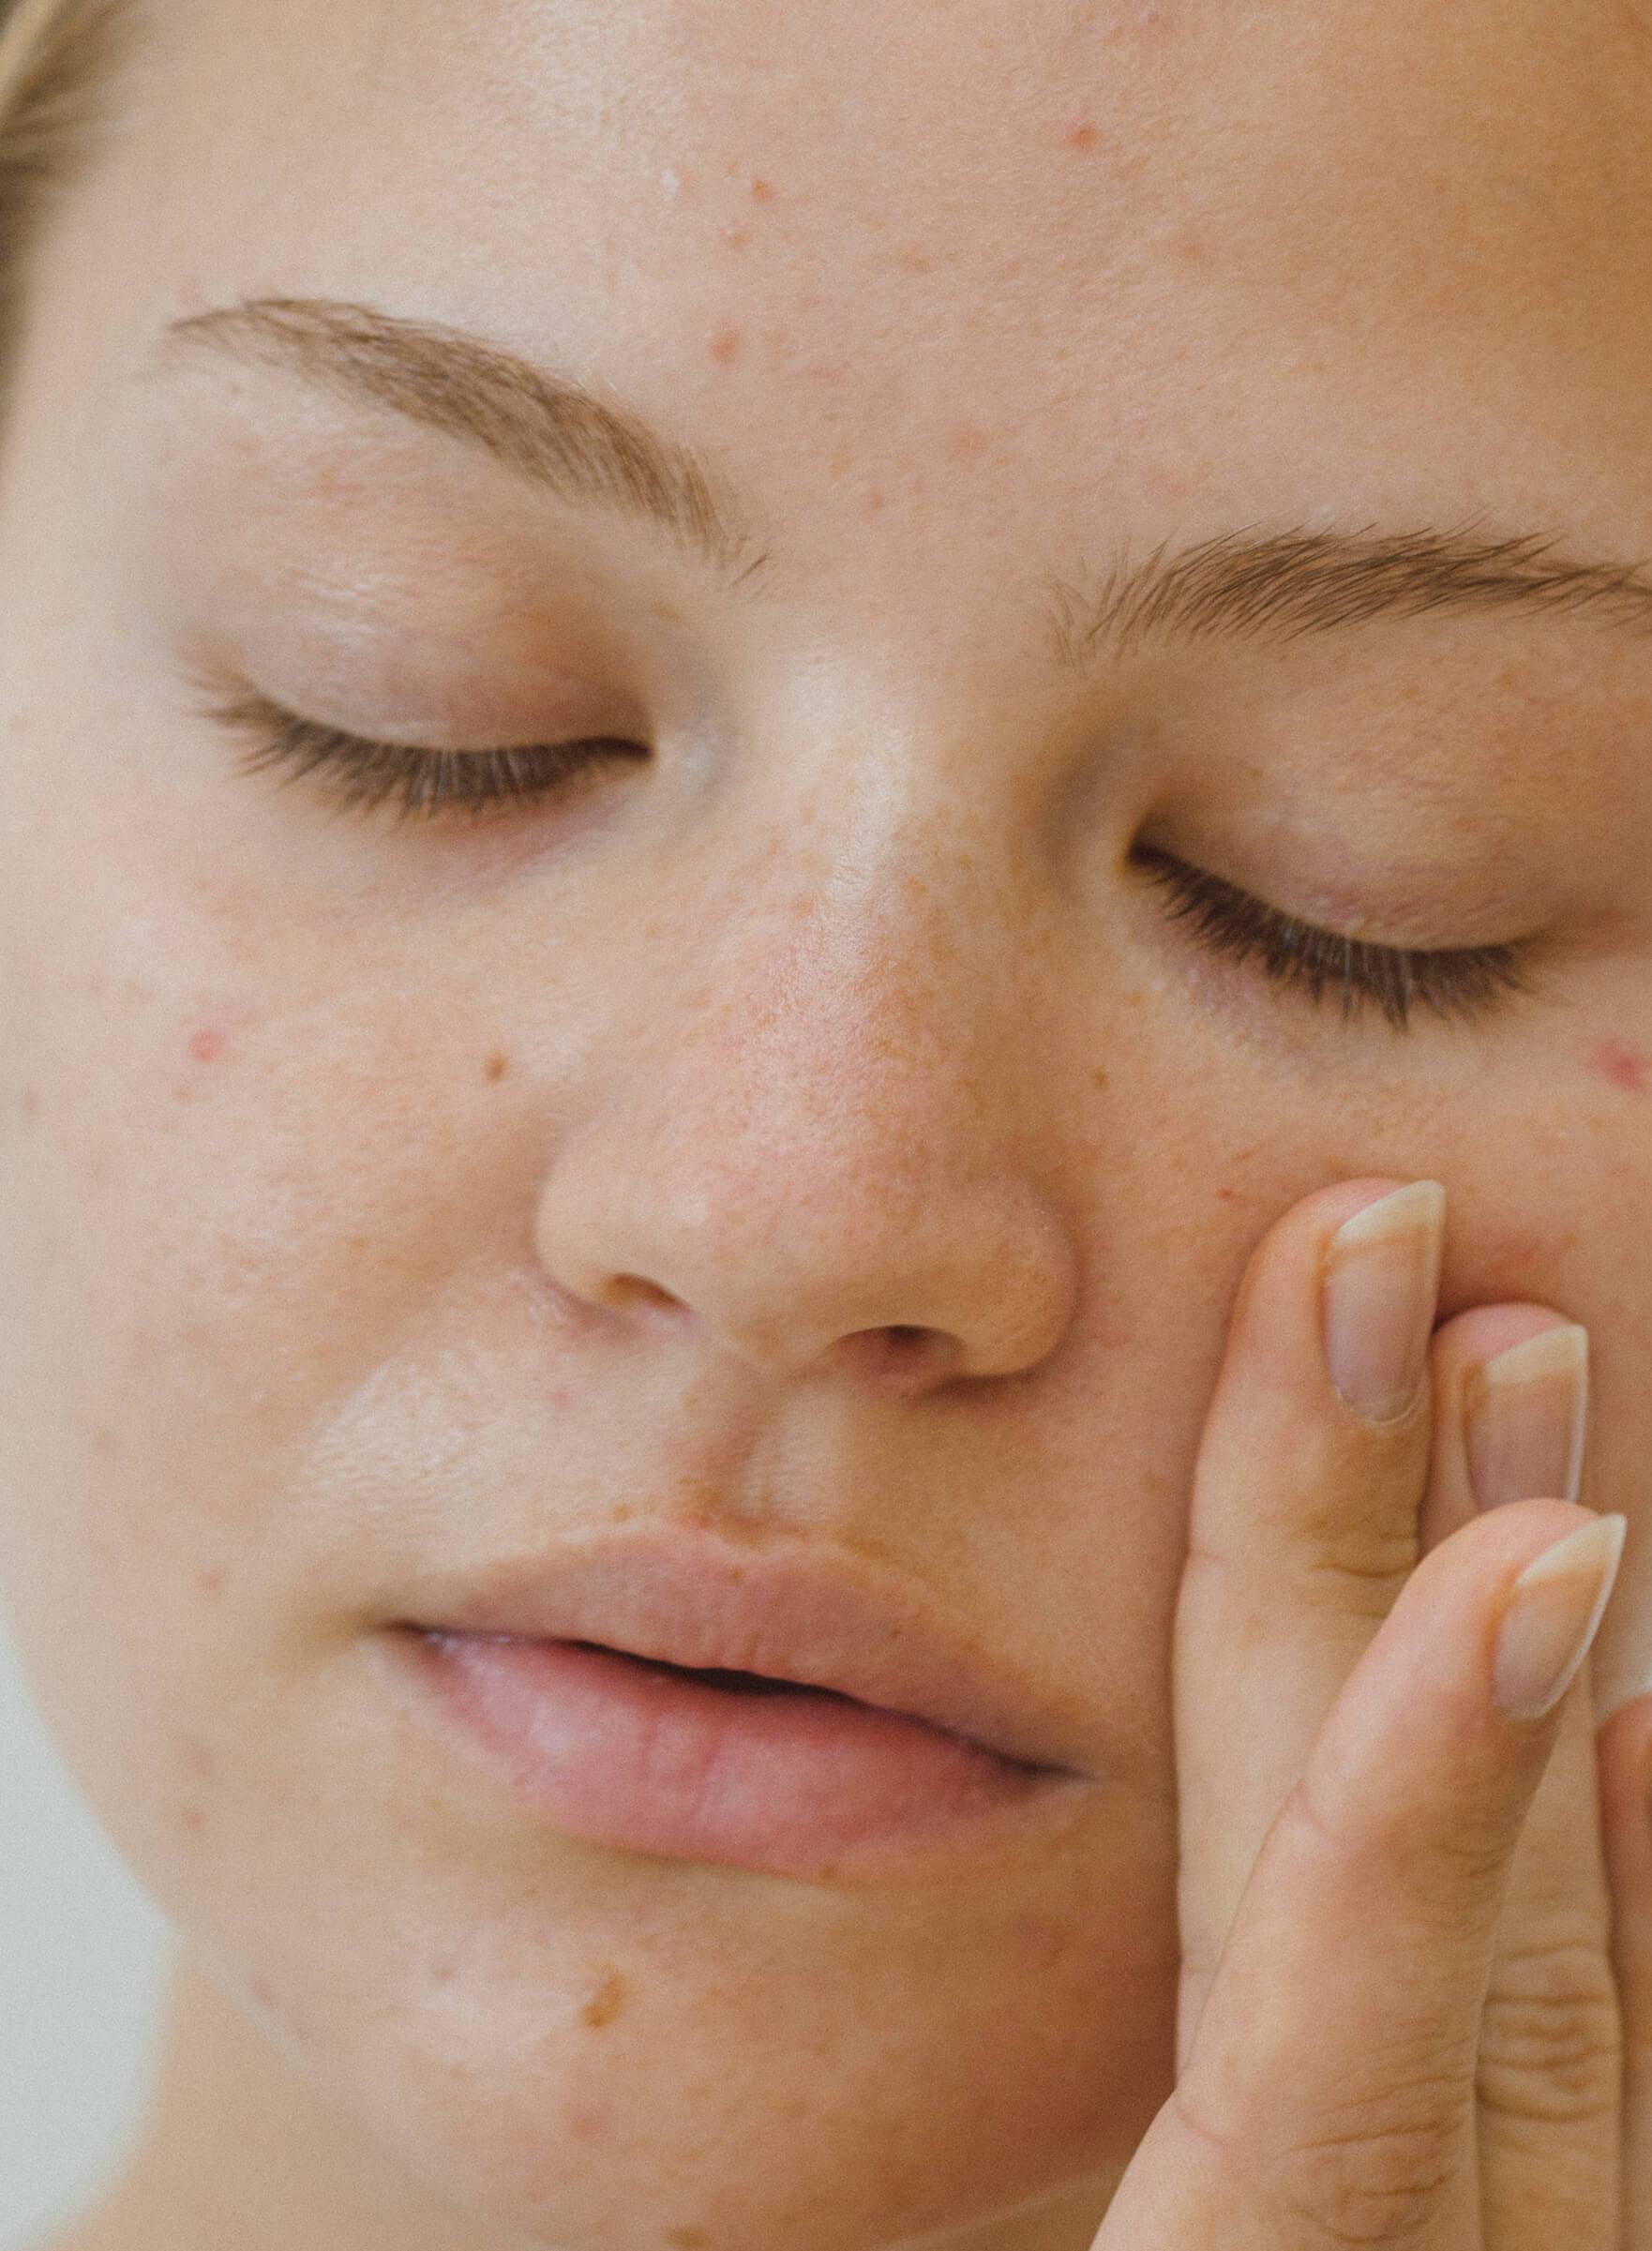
column 363, row 776
column 1462, row 984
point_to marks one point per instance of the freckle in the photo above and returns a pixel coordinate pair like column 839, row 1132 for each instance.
column 1225, row 1196
column 624, row 1512
column 263, row 1992
column 762, row 191
column 1102, row 1079
column 687, row 2239
column 194, row 1819
column 737, row 237
column 607, row 2001
column 104, row 1442
column 876, row 502
column 725, row 345
column 497, row 1067
column 211, row 1580
column 206, row 1046
column 1082, row 134
column 1623, row 1066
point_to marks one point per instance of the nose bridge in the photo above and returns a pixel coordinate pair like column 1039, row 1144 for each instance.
column 809, row 1136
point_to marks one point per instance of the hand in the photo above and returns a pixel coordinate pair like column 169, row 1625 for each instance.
column 1404, row 2018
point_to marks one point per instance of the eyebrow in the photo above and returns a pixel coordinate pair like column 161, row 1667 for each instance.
column 553, row 431
column 1251, row 584
column 1284, row 585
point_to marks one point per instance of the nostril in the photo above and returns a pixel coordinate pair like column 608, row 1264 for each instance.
column 635, row 1289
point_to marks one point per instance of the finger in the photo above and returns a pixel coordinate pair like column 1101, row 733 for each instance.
column 1303, row 1525
column 1509, row 1391
column 1329, row 2095
column 1624, row 1750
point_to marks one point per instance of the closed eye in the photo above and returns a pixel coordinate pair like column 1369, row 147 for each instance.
column 360, row 775
column 1462, row 982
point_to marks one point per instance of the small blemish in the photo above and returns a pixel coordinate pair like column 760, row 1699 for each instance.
column 762, row 191
column 725, row 346
column 916, row 262
column 607, row 2001
column 211, row 1580
column 497, row 1067
column 1102, row 1079
column 1623, row 1066
column 687, row 2239
column 737, row 237
column 194, row 1819
column 1084, row 133
column 1226, row 1196
column 207, row 1045
column 30, row 1105
column 966, row 442
column 105, row 1445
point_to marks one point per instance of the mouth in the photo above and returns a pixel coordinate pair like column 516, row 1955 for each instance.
column 780, row 1712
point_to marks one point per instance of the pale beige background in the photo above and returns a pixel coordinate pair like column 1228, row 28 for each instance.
column 82, row 1955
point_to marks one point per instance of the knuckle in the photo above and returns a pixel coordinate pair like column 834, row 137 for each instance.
column 1371, row 2171
column 1552, row 2050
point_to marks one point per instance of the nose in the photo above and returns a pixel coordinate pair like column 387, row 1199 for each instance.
column 813, row 1149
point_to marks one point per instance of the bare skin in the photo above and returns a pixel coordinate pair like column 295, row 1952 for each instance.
column 821, row 1127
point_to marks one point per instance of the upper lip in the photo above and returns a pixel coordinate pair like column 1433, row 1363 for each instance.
column 839, row 1622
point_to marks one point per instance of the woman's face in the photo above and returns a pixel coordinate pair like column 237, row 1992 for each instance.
column 388, row 1201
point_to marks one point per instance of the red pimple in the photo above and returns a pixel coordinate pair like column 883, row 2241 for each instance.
column 207, row 1045
column 1623, row 1066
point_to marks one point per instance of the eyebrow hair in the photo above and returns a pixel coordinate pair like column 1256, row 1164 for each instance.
column 1281, row 586
column 551, row 430
column 1254, row 584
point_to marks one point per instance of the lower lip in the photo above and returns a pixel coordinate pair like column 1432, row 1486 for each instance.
column 621, row 1753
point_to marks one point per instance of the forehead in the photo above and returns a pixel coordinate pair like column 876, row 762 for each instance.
column 1169, row 255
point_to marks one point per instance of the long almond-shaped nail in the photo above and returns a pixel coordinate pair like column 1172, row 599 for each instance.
column 1382, row 1274
column 1551, row 1616
column 1526, row 1414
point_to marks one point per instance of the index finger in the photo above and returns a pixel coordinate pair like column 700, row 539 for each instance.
column 1305, row 1524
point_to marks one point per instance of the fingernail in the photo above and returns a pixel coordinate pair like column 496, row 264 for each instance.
column 1549, row 1621
column 1382, row 1273
column 1526, row 1414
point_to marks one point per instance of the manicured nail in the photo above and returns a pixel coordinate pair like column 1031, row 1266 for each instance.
column 1526, row 1414
column 1549, row 1621
column 1382, row 1275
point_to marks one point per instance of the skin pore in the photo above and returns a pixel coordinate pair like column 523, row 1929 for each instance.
column 825, row 1127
